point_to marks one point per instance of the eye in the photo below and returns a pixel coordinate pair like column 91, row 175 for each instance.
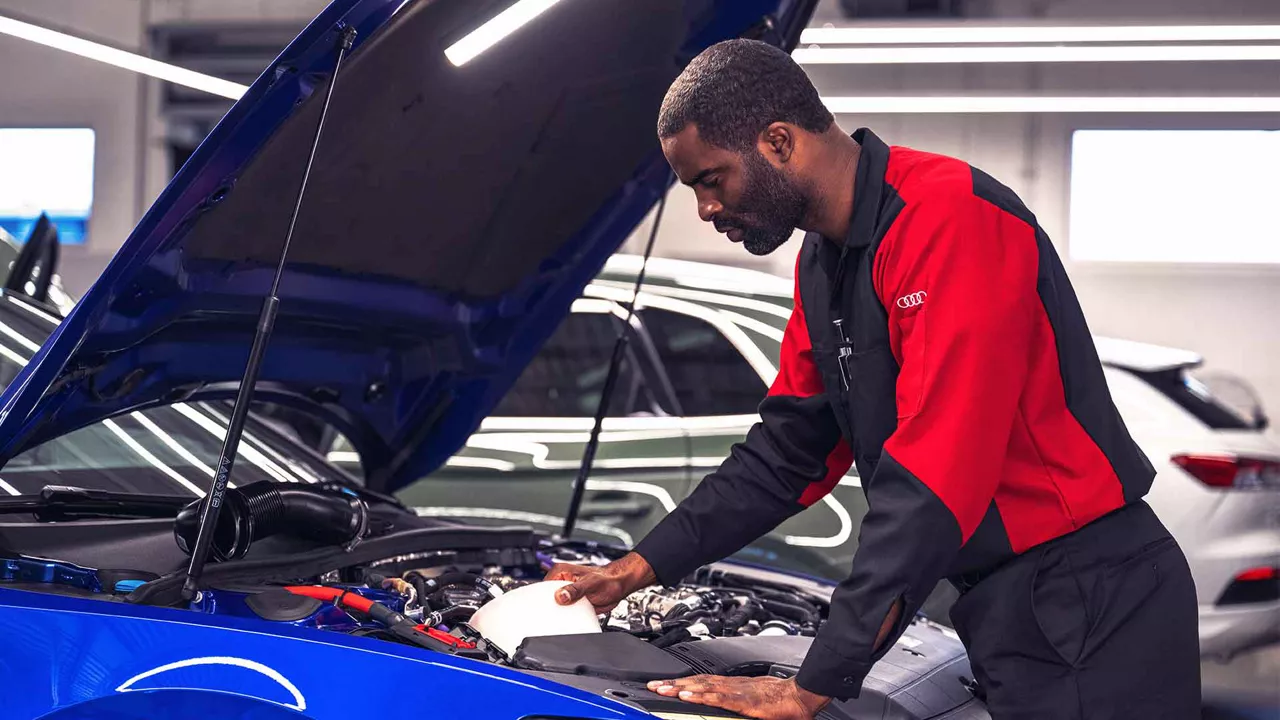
column 710, row 182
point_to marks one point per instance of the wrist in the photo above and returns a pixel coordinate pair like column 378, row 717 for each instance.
column 812, row 701
column 635, row 571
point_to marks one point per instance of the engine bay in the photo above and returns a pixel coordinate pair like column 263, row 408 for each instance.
column 419, row 581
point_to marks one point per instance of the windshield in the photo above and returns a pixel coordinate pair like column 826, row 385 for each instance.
column 164, row 451
column 168, row 450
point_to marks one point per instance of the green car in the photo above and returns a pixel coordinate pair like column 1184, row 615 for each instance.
column 703, row 351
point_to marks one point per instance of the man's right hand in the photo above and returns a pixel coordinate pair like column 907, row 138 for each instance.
column 604, row 587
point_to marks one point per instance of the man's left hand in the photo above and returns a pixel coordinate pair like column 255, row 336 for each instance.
column 765, row 698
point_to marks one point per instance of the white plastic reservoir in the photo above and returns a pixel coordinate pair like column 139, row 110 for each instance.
column 532, row 611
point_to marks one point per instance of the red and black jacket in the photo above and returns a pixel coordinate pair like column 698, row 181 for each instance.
column 941, row 348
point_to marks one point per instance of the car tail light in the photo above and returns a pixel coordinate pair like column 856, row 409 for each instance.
column 1230, row 471
column 1257, row 585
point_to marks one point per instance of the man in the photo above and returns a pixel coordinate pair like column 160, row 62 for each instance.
column 937, row 343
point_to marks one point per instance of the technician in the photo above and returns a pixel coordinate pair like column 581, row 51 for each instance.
column 936, row 343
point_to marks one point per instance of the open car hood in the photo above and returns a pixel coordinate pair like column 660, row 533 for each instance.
column 452, row 216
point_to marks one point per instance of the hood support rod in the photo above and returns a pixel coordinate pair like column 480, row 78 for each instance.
column 266, row 322
column 611, row 378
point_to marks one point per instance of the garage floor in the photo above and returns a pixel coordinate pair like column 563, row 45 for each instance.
column 1248, row 688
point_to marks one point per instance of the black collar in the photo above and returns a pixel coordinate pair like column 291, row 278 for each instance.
column 868, row 187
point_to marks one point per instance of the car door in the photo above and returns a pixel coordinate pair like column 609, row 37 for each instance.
column 521, row 464
column 720, row 365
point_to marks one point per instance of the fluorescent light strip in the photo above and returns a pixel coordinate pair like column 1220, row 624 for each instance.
column 38, row 313
column 219, row 431
column 12, row 356
column 173, row 445
column 121, row 58
column 154, row 461
column 1037, row 34
column 1034, row 54
column 492, row 32
column 18, row 337
column 1021, row 104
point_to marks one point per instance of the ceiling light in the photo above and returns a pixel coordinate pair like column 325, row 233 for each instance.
column 121, row 58
column 492, row 32
column 1037, row 34
column 1035, row 54
column 1016, row 104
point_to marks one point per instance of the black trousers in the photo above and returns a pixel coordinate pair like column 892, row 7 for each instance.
column 1098, row 624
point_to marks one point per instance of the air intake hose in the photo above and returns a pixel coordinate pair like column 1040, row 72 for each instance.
column 325, row 513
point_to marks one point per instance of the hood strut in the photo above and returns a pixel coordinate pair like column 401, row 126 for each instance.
column 610, row 379
column 266, row 321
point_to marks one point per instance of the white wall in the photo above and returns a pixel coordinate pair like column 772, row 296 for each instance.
column 42, row 87
column 1227, row 313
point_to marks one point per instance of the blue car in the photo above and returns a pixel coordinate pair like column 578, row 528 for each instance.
column 451, row 206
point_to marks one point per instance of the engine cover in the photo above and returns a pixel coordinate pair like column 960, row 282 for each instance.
column 926, row 675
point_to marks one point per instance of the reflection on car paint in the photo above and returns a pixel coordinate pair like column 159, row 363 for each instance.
column 299, row 702
column 524, row 516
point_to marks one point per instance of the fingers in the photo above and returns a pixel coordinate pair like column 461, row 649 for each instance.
column 569, row 594
column 564, row 572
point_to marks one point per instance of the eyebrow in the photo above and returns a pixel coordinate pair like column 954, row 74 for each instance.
column 700, row 176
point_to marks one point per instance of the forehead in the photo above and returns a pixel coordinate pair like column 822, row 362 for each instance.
column 691, row 156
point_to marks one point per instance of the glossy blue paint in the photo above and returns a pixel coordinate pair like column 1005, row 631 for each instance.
column 79, row 658
column 406, row 372
column 328, row 617
column 39, row 570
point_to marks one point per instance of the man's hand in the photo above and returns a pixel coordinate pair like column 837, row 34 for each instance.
column 604, row 586
column 766, row 698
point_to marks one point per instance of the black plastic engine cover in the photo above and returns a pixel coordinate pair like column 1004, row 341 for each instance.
column 922, row 678
column 610, row 655
column 925, row 675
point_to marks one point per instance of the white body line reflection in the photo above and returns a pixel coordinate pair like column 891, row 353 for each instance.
column 173, row 445
column 12, row 356
column 154, row 461
column 276, row 461
column 734, row 334
column 710, row 298
column 299, row 702
column 842, row 535
column 19, row 338
column 220, row 431
column 525, row 517
column 8, row 488
column 34, row 311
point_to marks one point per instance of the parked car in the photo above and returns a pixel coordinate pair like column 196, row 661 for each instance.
column 482, row 196
column 705, row 345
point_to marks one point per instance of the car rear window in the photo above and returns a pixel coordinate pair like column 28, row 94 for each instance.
column 1220, row 400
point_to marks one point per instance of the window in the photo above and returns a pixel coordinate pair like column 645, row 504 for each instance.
column 566, row 377
column 46, row 170
column 162, row 451
column 1188, row 196
column 709, row 375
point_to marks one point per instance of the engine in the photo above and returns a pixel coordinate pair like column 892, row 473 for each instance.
column 438, row 595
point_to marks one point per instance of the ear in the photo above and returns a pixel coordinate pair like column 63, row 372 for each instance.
column 778, row 143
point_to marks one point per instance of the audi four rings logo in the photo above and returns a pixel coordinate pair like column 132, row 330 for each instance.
column 914, row 299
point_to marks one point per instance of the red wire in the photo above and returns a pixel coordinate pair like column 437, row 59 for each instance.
column 343, row 597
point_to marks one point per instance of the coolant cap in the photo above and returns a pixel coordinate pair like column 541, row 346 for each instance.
column 532, row 611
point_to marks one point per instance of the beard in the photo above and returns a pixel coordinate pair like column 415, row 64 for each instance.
column 770, row 209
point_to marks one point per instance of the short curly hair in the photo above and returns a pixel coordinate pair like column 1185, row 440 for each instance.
column 735, row 89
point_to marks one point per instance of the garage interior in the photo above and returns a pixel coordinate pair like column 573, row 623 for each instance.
column 1198, row 268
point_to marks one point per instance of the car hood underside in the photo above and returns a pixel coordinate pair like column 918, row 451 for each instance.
column 451, row 217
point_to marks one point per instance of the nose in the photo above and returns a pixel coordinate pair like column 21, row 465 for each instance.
column 708, row 209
